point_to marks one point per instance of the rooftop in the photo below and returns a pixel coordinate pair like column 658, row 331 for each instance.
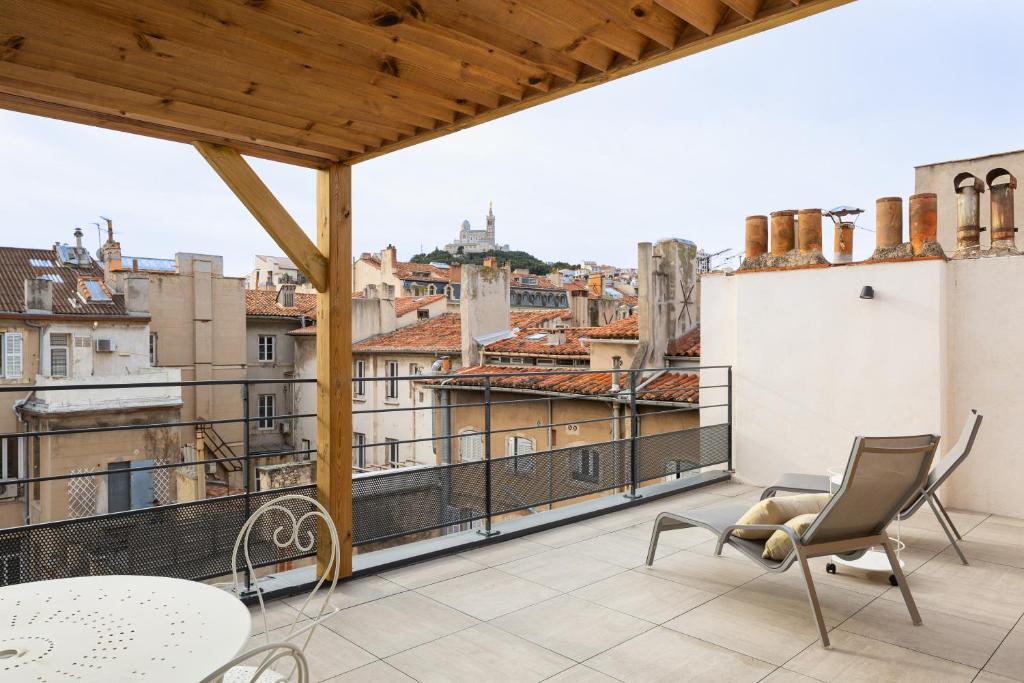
column 440, row 334
column 627, row 328
column 576, row 603
column 686, row 346
column 264, row 302
column 71, row 284
column 408, row 304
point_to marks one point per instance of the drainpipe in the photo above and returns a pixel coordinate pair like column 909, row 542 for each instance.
column 969, row 189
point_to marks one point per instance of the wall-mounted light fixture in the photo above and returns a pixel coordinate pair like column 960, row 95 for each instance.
column 867, row 292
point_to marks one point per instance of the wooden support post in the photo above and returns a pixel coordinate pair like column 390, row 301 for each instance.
column 334, row 359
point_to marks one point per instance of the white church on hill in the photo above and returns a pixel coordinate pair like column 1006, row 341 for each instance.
column 476, row 241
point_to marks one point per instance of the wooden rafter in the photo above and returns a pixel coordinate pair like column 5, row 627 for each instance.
column 314, row 82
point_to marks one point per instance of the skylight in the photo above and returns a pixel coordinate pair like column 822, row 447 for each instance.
column 41, row 263
column 52, row 277
column 538, row 335
column 96, row 292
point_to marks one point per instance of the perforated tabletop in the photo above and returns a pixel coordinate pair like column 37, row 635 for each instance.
column 117, row 628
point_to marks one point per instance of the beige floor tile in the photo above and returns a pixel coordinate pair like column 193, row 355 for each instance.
column 279, row 615
column 769, row 632
column 1009, row 658
column 996, row 552
column 506, row 551
column 1001, row 530
column 770, row 590
column 329, row 655
column 677, row 538
column 620, row 520
column 580, row 674
column 481, row 653
column 988, row 677
column 853, row 658
column 941, row 635
column 712, row 574
column 377, row 672
column 690, row 501
column 349, row 593
column 662, row 655
column 566, row 535
column 572, row 627
column 643, row 596
column 734, row 488
column 398, row 622
column 926, row 519
column 431, row 571
column 562, row 569
column 1000, row 519
column 619, row 549
column 921, row 539
column 781, row 675
column 985, row 592
column 488, row 594
column 707, row 548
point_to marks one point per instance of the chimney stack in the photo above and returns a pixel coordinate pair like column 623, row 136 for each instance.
column 783, row 232
column 38, row 296
column 757, row 236
column 924, row 221
column 78, row 238
column 968, row 189
column 1001, row 200
column 490, row 262
column 843, row 251
column 595, row 285
column 809, row 221
column 888, row 222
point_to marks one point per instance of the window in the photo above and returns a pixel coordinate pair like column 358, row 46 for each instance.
column 265, row 411
column 152, row 349
column 414, row 369
column 265, row 348
column 520, row 446
column 423, row 314
column 359, row 386
column 359, row 450
column 12, row 458
column 431, row 290
column 391, row 449
column 471, row 446
column 392, row 384
column 59, row 355
column 586, row 466
column 12, row 367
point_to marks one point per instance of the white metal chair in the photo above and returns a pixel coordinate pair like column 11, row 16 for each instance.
column 272, row 653
column 283, row 537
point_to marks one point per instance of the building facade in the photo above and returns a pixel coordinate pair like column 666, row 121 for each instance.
column 472, row 241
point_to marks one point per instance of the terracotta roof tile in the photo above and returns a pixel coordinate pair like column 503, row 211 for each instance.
column 669, row 386
column 686, row 346
column 627, row 328
column 421, row 271
column 18, row 265
column 263, row 302
column 533, row 341
column 538, row 318
column 408, row 304
column 440, row 334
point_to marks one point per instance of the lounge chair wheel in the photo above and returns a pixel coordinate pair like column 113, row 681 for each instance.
column 830, row 568
column 893, row 581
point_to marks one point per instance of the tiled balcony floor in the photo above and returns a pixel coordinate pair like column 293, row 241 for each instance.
column 576, row 604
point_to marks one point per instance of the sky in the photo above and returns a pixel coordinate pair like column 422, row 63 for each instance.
column 835, row 109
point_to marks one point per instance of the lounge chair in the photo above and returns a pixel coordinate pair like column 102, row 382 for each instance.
column 882, row 476
column 813, row 483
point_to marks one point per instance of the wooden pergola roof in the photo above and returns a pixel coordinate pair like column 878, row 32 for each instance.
column 314, row 82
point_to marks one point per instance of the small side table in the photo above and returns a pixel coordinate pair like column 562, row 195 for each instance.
column 873, row 560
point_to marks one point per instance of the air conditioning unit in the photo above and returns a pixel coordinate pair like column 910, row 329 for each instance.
column 105, row 346
column 8, row 490
column 285, row 428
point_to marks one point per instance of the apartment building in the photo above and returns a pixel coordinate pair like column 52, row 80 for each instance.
column 268, row 272
column 62, row 325
column 198, row 328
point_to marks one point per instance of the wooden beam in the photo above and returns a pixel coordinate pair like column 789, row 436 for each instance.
column 747, row 9
column 334, row 361
column 703, row 14
column 265, row 208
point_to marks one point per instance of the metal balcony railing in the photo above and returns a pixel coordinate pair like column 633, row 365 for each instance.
column 452, row 480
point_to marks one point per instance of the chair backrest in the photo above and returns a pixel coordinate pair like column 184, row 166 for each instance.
column 882, row 476
column 289, row 522
column 958, row 453
column 264, row 673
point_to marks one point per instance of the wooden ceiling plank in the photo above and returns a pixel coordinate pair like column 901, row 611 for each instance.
column 27, row 81
column 584, row 21
column 747, row 9
column 553, row 35
column 451, row 16
column 646, row 17
column 88, row 117
column 373, row 39
column 703, row 14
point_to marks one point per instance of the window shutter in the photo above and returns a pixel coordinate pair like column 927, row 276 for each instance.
column 524, row 446
column 510, row 445
column 13, row 367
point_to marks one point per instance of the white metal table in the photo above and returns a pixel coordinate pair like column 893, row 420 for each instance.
column 118, row 628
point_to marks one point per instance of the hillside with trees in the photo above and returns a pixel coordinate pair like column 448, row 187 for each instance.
column 517, row 259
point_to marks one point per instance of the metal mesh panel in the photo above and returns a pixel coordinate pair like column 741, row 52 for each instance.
column 189, row 541
column 670, row 453
column 520, row 482
column 416, row 499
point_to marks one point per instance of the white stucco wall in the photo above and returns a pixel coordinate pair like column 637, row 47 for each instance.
column 815, row 365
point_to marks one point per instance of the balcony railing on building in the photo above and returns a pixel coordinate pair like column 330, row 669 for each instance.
column 179, row 516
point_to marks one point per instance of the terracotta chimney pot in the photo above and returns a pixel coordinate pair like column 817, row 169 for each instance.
column 757, row 236
column 924, row 221
column 810, row 230
column 888, row 222
column 783, row 232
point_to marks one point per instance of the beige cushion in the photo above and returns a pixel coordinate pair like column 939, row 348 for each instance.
column 779, row 510
column 778, row 544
